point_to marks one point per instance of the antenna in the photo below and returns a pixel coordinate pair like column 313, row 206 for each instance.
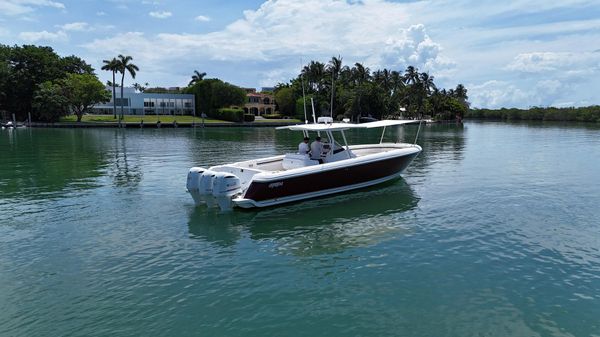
column 312, row 102
column 303, row 93
column 332, row 91
column 419, row 129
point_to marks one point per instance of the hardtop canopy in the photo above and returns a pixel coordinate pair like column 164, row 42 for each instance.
column 346, row 126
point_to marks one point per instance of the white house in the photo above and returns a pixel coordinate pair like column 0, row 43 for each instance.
column 139, row 103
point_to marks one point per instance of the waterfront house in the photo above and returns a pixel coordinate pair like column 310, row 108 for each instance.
column 141, row 103
column 259, row 103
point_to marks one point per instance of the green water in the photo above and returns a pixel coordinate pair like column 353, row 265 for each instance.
column 494, row 230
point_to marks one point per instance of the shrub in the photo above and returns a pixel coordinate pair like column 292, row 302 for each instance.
column 272, row 116
column 248, row 118
column 228, row 114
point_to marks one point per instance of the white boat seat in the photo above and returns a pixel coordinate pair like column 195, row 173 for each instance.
column 296, row 160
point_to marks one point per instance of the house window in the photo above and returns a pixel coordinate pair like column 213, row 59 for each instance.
column 124, row 101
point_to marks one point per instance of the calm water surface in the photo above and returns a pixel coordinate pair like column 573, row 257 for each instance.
column 493, row 231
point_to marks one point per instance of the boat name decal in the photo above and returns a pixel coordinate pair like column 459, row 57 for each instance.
column 277, row 184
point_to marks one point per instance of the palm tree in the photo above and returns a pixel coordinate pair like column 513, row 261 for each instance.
column 124, row 65
column 411, row 75
column 427, row 82
column 139, row 87
column 361, row 73
column 334, row 67
column 314, row 73
column 384, row 79
column 112, row 65
column 197, row 77
column 461, row 94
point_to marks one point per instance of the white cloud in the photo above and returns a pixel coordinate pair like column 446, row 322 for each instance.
column 497, row 94
column 563, row 62
column 76, row 26
column 278, row 34
column 43, row 36
column 542, row 79
column 100, row 13
column 520, row 53
column 279, row 29
column 160, row 14
column 202, row 18
column 19, row 7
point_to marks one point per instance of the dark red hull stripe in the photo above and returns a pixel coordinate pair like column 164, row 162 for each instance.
column 318, row 181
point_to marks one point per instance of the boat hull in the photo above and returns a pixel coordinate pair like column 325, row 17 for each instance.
column 323, row 182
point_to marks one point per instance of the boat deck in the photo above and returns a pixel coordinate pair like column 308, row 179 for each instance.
column 275, row 164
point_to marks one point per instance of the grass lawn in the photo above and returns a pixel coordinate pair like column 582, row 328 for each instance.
column 163, row 119
column 138, row 119
column 292, row 121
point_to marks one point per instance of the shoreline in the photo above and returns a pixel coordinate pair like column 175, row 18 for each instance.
column 153, row 125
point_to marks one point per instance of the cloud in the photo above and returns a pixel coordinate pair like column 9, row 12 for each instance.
column 76, row 26
column 100, row 13
column 497, row 94
column 563, row 62
column 202, row 18
column 43, row 36
column 542, row 79
column 266, row 45
column 279, row 33
column 19, row 7
column 160, row 14
column 517, row 54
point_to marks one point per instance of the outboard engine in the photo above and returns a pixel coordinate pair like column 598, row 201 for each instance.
column 225, row 186
column 205, row 187
column 192, row 183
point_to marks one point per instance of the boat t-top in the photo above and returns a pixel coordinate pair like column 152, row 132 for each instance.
column 293, row 176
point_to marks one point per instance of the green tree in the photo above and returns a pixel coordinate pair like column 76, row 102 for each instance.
column 112, row 66
column 197, row 77
column 460, row 93
column 49, row 102
column 140, row 87
column 286, row 100
column 124, row 65
column 4, row 73
column 226, row 95
column 75, row 65
column 355, row 92
column 213, row 94
column 30, row 66
column 334, row 68
column 83, row 91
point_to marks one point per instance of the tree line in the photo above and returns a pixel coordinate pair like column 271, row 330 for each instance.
column 570, row 114
column 35, row 80
column 355, row 91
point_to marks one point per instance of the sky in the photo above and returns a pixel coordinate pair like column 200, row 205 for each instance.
column 506, row 53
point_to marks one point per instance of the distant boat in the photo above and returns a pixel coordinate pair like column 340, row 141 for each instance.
column 10, row 125
column 291, row 177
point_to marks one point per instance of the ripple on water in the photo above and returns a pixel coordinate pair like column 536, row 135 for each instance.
column 491, row 231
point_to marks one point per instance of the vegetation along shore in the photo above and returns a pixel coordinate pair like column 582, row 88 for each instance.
column 581, row 114
column 38, row 85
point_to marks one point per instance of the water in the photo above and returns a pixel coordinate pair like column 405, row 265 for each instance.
column 493, row 231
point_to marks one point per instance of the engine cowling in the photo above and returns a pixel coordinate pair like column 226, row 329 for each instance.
column 205, row 187
column 225, row 186
column 193, row 178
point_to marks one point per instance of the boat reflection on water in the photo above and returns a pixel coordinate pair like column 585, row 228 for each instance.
column 319, row 226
